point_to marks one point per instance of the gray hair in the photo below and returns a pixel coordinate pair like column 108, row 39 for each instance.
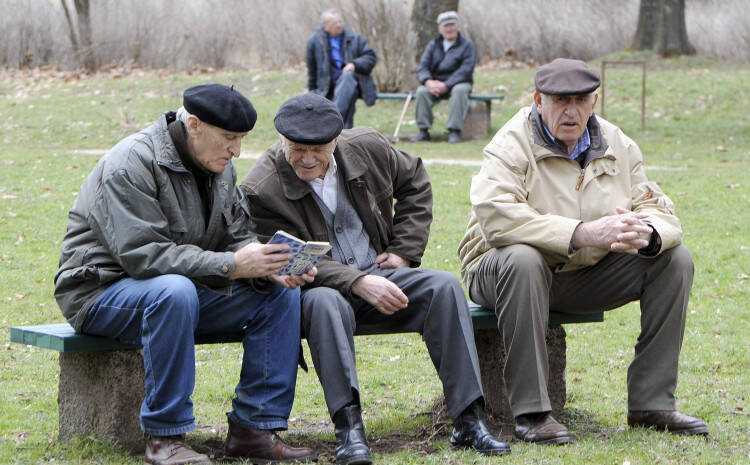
column 330, row 13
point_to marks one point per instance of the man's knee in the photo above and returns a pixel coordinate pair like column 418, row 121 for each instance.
column 519, row 259
column 680, row 260
column 175, row 294
column 422, row 92
column 325, row 305
column 461, row 90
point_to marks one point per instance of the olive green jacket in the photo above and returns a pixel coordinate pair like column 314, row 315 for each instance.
column 139, row 214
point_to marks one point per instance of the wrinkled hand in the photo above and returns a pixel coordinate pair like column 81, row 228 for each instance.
column 387, row 260
column 624, row 232
column 435, row 87
column 349, row 67
column 296, row 281
column 259, row 260
column 382, row 294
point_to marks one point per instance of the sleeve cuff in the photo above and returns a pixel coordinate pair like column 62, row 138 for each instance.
column 654, row 246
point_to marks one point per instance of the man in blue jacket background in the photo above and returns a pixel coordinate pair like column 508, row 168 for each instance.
column 446, row 70
column 339, row 64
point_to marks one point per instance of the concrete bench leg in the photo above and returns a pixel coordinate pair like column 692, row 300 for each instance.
column 492, row 361
column 477, row 122
column 100, row 395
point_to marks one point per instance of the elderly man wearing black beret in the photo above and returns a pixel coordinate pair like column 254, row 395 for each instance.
column 373, row 203
column 158, row 252
column 563, row 218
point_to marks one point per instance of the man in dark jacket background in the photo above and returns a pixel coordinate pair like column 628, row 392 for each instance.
column 339, row 66
column 373, row 204
column 159, row 250
column 446, row 70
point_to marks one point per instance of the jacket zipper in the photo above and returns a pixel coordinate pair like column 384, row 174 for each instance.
column 579, row 181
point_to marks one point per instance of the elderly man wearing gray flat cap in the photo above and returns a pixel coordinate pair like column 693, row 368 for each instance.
column 564, row 219
column 446, row 70
column 373, row 204
column 159, row 252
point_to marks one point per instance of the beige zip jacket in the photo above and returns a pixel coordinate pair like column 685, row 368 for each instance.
column 529, row 192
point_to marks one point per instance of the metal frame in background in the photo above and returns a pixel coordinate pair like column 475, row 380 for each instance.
column 640, row 63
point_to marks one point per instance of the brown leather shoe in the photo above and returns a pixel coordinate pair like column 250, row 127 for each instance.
column 667, row 420
column 263, row 446
column 171, row 450
column 541, row 428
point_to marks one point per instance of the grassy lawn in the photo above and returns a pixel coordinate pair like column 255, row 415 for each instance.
column 697, row 147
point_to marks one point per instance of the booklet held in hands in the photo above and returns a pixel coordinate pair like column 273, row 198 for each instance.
column 305, row 255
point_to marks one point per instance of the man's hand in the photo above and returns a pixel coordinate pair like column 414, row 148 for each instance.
column 387, row 260
column 624, row 232
column 349, row 67
column 296, row 281
column 435, row 87
column 259, row 260
column 382, row 294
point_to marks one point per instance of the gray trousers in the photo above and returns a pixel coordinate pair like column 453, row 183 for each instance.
column 459, row 105
column 518, row 284
column 437, row 309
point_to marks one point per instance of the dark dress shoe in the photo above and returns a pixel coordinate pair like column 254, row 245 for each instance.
column 470, row 432
column 541, row 428
column 263, row 446
column 422, row 136
column 170, row 450
column 454, row 136
column 667, row 420
column 351, row 443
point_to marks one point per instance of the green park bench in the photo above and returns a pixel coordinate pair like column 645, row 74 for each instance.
column 101, row 380
column 478, row 120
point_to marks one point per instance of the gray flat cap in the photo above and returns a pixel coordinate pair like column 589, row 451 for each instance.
column 220, row 106
column 447, row 17
column 309, row 119
column 564, row 76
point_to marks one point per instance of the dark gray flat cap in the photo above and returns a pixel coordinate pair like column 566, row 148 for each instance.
column 221, row 106
column 564, row 76
column 309, row 119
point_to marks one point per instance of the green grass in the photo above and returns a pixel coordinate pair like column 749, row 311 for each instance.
column 696, row 140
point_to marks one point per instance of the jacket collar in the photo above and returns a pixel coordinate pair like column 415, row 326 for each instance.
column 542, row 148
column 350, row 166
column 165, row 152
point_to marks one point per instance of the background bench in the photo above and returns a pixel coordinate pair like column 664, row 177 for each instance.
column 101, row 380
column 478, row 121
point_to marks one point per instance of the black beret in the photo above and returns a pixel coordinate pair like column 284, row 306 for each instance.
column 221, row 106
column 309, row 119
column 564, row 76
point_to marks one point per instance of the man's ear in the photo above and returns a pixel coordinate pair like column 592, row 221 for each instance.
column 194, row 125
column 538, row 98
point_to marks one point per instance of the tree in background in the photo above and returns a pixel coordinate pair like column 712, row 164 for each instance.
column 79, row 31
column 423, row 16
column 661, row 27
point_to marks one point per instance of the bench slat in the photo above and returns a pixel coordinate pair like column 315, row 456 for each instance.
column 402, row 96
column 61, row 337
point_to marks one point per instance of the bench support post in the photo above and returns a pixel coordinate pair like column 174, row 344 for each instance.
column 492, row 360
column 100, row 394
column 477, row 122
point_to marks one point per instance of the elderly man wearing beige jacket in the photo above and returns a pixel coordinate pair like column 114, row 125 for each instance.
column 563, row 218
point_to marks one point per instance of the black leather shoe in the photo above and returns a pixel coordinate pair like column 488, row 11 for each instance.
column 454, row 136
column 422, row 136
column 470, row 432
column 351, row 443
column 667, row 420
column 542, row 428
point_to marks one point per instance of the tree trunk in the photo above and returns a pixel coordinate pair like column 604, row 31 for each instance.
column 661, row 27
column 423, row 16
column 84, row 34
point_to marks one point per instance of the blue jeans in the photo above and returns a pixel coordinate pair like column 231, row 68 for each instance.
column 164, row 314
